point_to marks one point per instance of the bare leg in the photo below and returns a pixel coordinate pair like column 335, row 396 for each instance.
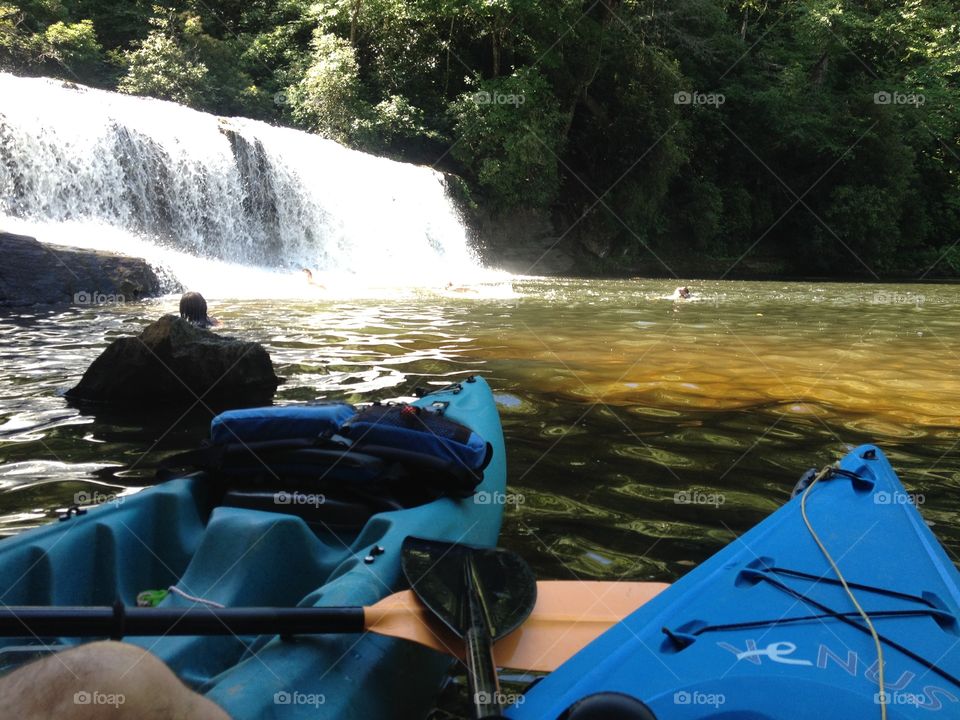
column 102, row 680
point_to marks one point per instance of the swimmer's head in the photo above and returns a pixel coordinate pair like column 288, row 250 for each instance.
column 194, row 308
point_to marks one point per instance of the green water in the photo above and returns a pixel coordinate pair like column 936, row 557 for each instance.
column 614, row 399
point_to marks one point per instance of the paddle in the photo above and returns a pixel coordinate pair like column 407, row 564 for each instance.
column 482, row 595
column 567, row 616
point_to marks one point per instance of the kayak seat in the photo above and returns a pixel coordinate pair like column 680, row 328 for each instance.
column 237, row 565
column 232, row 535
column 317, row 510
column 114, row 551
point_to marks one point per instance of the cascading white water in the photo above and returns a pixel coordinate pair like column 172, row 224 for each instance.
column 148, row 177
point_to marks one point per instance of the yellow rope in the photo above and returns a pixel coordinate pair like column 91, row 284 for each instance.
column 866, row 618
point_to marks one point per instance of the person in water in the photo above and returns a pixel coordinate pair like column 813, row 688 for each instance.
column 310, row 281
column 193, row 308
column 458, row 288
column 102, row 679
column 681, row 293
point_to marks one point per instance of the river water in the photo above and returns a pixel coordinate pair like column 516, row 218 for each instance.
column 643, row 433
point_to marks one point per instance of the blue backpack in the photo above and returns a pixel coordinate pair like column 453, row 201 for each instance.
column 400, row 453
column 419, row 430
column 279, row 423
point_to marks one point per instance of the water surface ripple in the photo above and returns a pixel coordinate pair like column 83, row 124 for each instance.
column 643, row 434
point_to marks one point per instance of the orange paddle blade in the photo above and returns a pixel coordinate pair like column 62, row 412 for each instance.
column 568, row 615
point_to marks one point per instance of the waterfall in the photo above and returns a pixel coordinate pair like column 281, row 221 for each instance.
column 141, row 173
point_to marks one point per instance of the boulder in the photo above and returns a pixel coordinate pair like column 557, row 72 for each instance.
column 174, row 362
column 35, row 273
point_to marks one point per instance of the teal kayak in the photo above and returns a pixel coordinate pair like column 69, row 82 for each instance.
column 283, row 541
column 766, row 629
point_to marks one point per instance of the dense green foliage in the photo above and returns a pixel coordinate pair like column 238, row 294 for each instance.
column 823, row 136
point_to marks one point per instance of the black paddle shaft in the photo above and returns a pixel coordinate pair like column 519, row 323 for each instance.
column 482, row 681
column 120, row 621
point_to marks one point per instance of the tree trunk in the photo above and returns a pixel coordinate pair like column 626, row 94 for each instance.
column 583, row 86
column 353, row 21
column 446, row 76
column 819, row 72
column 743, row 25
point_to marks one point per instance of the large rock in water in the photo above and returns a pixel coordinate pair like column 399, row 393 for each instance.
column 174, row 361
column 35, row 273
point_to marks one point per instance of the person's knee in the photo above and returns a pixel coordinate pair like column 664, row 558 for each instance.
column 89, row 680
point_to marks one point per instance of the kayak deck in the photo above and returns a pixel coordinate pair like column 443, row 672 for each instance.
column 179, row 534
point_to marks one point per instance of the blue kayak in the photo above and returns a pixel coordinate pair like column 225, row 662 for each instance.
column 765, row 630
column 260, row 532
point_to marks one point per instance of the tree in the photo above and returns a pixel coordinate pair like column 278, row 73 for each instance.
column 508, row 133
column 61, row 48
column 398, row 128
column 74, row 46
column 162, row 65
column 326, row 99
column 18, row 46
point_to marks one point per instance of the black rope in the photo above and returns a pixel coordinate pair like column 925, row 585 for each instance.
column 807, row 618
column 844, row 473
column 858, row 586
column 842, row 617
column 850, row 618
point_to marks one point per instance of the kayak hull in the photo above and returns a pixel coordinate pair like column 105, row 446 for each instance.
column 174, row 534
column 763, row 631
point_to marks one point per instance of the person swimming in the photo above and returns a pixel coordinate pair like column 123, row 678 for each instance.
column 310, row 281
column 681, row 293
column 193, row 308
column 451, row 287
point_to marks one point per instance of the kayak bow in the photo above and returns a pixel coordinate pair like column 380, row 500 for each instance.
column 766, row 630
